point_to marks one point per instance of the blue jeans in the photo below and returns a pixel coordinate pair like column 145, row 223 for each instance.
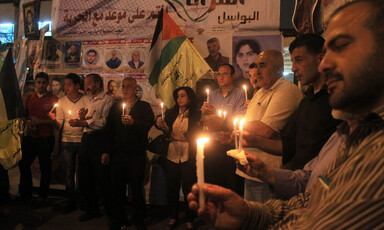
column 70, row 152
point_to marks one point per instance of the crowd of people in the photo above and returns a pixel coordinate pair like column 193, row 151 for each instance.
column 314, row 159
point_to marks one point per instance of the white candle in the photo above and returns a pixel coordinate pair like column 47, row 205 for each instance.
column 245, row 91
column 162, row 110
column 70, row 113
column 220, row 112
column 241, row 125
column 200, row 169
column 234, row 130
column 54, row 107
column 123, row 109
column 207, row 95
column 224, row 114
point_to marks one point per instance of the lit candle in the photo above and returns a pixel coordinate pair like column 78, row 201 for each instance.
column 123, row 109
column 220, row 112
column 207, row 95
column 69, row 113
column 224, row 114
column 200, row 168
column 54, row 107
column 162, row 110
column 245, row 91
column 234, row 130
column 241, row 125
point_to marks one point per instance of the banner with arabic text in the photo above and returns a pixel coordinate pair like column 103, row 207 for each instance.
column 102, row 19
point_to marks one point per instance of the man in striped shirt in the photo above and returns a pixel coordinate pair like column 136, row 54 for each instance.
column 349, row 194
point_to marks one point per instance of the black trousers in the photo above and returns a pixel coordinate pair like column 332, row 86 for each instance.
column 4, row 186
column 94, row 181
column 179, row 175
column 128, row 170
column 42, row 148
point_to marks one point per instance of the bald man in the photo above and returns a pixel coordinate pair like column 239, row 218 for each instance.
column 267, row 113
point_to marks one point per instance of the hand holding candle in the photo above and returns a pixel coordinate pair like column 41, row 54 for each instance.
column 54, row 107
column 200, row 169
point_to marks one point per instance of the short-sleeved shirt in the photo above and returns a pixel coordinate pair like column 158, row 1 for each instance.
column 273, row 107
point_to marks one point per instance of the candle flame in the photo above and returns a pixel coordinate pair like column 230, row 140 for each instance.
column 241, row 124
column 235, row 121
column 245, row 87
column 220, row 112
column 162, row 104
column 202, row 141
column 207, row 91
column 69, row 112
column 56, row 105
column 224, row 114
column 123, row 105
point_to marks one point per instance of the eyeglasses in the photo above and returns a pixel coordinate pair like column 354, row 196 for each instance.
column 217, row 74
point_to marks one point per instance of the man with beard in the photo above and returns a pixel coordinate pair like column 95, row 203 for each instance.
column 72, row 55
column 93, row 165
column 350, row 194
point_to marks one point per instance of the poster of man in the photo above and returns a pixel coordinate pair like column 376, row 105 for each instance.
column 32, row 51
column 31, row 17
column 52, row 54
column 114, row 60
column 135, row 62
column 72, row 54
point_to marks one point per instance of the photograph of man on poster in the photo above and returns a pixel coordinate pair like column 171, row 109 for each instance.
column 72, row 53
column 114, row 62
column 31, row 18
column 135, row 62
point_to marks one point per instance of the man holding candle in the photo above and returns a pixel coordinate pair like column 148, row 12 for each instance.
column 267, row 114
column 354, row 195
column 220, row 169
column 70, row 136
column 38, row 140
column 125, row 145
column 93, row 166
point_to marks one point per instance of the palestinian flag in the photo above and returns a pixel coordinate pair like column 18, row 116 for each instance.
column 11, row 110
column 173, row 61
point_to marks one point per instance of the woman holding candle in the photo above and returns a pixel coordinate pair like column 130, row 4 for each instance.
column 180, row 124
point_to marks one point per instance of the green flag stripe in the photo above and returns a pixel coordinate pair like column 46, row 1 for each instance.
column 167, row 53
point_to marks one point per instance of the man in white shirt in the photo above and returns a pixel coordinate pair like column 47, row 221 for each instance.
column 67, row 109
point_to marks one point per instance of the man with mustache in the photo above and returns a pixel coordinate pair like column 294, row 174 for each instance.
column 349, row 194
column 93, row 164
column 215, row 59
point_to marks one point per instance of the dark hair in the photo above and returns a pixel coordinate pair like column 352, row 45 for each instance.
column 97, row 78
column 374, row 21
column 211, row 40
column 92, row 51
column 42, row 75
column 313, row 42
column 230, row 67
column 74, row 78
column 252, row 65
column 29, row 12
column 252, row 44
column 109, row 82
column 56, row 79
column 191, row 96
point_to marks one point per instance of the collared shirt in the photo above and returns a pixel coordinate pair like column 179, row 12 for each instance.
column 353, row 199
column 289, row 183
column 232, row 103
column 273, row 107
column 178, row 150
column 309, row 129
column 98, row 109
column 214, row 64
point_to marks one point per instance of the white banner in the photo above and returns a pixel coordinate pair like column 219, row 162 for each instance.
column 102, row 19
